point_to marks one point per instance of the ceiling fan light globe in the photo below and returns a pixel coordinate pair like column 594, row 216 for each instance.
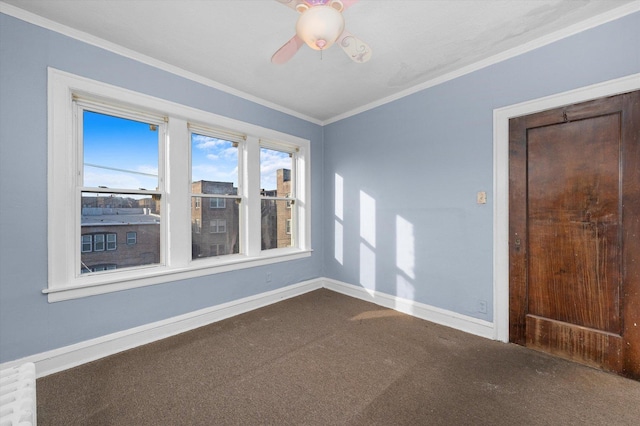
column 320, row 26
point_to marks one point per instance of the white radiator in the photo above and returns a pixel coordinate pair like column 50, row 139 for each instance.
column 18, row 396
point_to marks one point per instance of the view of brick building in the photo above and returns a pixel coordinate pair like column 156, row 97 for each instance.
column 214, row 220
column 276, row 214
column 118, row 237
column 119, row 231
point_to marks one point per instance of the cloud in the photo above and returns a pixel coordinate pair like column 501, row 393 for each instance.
column 270, row 162
column 207, row 142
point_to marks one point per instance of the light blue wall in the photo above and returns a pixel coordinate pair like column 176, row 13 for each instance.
column 28, row 323
column 420, row 159
column 423, row 159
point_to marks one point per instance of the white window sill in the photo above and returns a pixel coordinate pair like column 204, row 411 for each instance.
column 118, row 280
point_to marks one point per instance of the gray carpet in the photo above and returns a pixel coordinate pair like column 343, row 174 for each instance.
column 327, row 359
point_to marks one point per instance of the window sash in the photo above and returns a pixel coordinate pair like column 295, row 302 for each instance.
column 111, row 241
column 98, row 242
column 87, row 244
column 132, row 238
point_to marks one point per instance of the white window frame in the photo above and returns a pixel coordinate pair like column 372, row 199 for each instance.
column 64, row 204
column 132, row 238
column 99, row 242
column 113, row 244
column 89, row 237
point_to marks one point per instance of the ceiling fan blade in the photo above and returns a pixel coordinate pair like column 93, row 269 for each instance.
column 347, row 3
column 287, row 51
column 356, row 49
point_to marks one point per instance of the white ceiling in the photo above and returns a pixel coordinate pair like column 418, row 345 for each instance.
column 229, row 43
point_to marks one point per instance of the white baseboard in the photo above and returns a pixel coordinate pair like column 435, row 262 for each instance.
column 419, row 310
column 90, row 350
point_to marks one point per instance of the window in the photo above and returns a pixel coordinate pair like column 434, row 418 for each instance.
column 217, row 203
column 215, row 177
column 111, row 144
column 218, row 226
column 277, row 183
column 111, row 241
column 132, row 238
column 87, row 243
column 98, row 242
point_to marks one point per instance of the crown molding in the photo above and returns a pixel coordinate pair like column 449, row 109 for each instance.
column 579, row 27
column 511, row 53
column 82, row 36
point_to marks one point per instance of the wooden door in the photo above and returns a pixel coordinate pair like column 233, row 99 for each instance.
column 574, row 221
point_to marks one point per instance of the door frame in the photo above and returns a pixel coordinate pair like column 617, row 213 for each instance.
column 501, row 118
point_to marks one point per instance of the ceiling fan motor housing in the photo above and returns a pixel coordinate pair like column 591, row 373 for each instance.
column 320, row 26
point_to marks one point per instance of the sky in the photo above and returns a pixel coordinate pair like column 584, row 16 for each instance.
column 129, row 146
column 122, row 153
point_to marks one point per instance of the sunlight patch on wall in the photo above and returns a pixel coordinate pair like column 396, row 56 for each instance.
column 367, row 268
column 405, row 260
column 368, row 242
column 405, row 247
column 368, row 219
column 338, row 241
column 339, row 197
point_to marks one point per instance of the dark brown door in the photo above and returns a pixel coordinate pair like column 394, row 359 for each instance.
column 574, row 221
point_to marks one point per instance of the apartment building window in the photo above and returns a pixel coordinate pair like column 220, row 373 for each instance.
column 111, row 241
column 98, row 242
column 87, row 243
column 218, row 249
column 132, row 238
column 218, row 226
column 217, row 203
column 111, row 145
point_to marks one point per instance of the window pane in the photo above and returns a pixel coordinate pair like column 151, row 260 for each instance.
column 112, row 217
column 214, row 165
column 119, row 153
column 87, row 243
column 131, row 237
column 275, row 215
column 98, row 242
column 111, row 241
column 275, row 173
column 214, row 170
column 222, row 234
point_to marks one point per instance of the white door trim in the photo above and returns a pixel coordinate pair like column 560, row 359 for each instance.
column 501, row 118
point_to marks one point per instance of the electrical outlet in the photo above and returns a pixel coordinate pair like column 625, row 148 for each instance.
column 482, row 306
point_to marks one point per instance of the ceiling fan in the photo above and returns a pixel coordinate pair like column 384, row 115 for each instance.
column 320, row 25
